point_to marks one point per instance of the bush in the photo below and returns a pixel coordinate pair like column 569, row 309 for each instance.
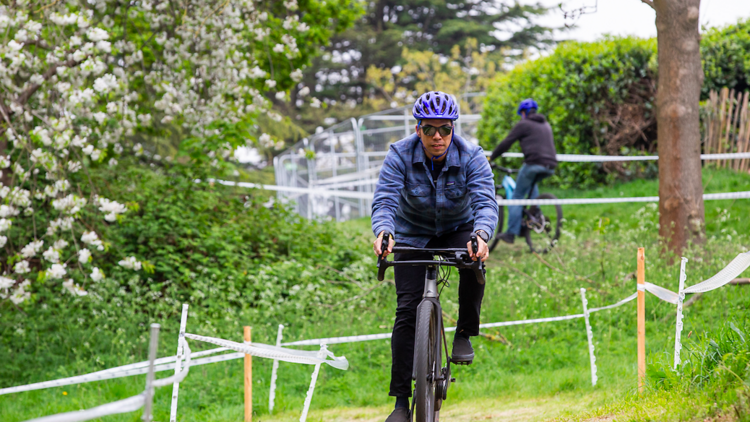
column 725, row 53
column 218, row 248
column 597, row 96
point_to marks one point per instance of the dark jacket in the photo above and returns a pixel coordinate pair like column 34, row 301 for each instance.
column 537, row 145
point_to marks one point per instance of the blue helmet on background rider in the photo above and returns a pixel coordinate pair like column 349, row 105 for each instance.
column 526, row 105
column 435, row 105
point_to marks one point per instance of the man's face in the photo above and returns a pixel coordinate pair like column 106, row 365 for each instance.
column 437, row 143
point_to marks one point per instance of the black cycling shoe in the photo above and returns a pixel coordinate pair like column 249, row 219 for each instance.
column 463, row 353
column 506, row 237
column 400, row 414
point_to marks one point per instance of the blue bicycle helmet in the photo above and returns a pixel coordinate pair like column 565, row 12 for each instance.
column 435, row 105
column 526, row 105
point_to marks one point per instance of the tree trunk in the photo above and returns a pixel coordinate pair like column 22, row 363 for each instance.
column 681, row 216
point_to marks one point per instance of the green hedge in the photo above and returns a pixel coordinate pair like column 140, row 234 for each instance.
column 575, row 86
column 725, row 53
column 599, row 98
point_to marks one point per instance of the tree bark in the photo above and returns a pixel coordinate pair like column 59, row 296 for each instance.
column 681, row 215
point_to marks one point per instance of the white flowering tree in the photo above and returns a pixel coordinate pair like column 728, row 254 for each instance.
column 82, row 80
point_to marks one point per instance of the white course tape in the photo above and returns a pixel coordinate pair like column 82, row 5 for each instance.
column 273, row 352
column 620, row 303
column 582, row 201
column 308, row 191
column 130, row 404
column 385, row 336
column 729, row 273
column 580, row 158
column 139, row 368
column 662, row 293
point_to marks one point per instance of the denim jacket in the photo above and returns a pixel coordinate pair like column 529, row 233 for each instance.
column 409, row 204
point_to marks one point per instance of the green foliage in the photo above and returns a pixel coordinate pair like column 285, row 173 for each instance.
column 725, row 53
column 600, row 98
column 336, row 295
column 580, row 87
column 218, row 248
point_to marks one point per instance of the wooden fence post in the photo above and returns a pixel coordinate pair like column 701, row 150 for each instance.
column 248, row 380
column 641, row 319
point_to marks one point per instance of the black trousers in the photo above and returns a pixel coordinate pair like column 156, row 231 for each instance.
column 409, row 289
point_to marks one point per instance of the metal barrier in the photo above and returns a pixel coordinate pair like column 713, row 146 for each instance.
column 348, row 156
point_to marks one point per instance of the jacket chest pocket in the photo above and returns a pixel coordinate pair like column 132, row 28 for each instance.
column 413, row 189
column 455, row 191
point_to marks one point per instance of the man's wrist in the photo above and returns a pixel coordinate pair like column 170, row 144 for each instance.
column 483, row 234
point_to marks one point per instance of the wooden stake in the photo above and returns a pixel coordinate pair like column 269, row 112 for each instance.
column 248, row 380
column 641, row 319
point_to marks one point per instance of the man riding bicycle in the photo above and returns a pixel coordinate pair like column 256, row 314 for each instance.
column 435, row 189
column 540, row 160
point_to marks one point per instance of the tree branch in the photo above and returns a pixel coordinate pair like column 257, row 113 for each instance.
column 650, row 3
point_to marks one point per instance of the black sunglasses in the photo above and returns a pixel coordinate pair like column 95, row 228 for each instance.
column 444, row 130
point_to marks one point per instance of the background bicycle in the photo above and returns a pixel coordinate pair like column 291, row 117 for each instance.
column 540, row 224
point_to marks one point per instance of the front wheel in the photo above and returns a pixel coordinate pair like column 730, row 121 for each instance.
column 426, row 362
column 542, row 224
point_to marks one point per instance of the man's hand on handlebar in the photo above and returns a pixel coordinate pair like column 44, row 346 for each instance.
column 483, row 251
column 377, row 245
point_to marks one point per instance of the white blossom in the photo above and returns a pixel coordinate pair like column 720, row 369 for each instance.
column 315, row 103
column 97, row 275
column 73, row 288
column 111, row 208
column 304, row 91
column 56, row 271
column 97, row 34
column 6, row 283
column 83, row 256
column 130, row 263
column 106, row 83
column 51, row 255
column 22, row 267
column 32, row 248
column 3, row 241
column 296, row 75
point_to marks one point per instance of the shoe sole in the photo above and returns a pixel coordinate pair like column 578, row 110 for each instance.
column 462, row 360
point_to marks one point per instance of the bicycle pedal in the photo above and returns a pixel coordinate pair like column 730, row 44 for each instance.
column 463, row 363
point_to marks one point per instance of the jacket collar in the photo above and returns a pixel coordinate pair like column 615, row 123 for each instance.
column 452, row 159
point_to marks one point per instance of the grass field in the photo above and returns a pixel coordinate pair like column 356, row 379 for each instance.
column 528, row 372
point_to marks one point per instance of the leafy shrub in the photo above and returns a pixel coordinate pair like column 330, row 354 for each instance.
column 597, row 96
column 218, row 248
column 600, row 97
column 725, row 53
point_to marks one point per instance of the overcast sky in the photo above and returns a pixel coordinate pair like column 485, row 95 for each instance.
column 632, row 17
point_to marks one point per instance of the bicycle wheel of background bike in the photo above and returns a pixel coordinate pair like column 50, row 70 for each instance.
column 542, row 227
column 426, row 362
column 500, row 217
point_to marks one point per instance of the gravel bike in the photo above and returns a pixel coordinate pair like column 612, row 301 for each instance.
column 432, row 379
column 540, row 224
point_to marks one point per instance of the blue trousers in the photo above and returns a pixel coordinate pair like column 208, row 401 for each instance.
column 527, row 180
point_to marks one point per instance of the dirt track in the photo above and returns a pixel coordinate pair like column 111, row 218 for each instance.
column 485, row 409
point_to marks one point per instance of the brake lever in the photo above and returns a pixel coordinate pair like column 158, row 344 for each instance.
column 382, row 263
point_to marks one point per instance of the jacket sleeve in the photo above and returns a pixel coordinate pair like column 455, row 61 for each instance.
column 515, row 134
column 387, row 193
column 481, row 187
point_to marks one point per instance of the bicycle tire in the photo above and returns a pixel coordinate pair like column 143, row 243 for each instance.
column 426, row 364
column 553, row 237
column 500, row 217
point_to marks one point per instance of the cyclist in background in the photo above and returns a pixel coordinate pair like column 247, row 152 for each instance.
column 539, row 160
column 435, row 189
